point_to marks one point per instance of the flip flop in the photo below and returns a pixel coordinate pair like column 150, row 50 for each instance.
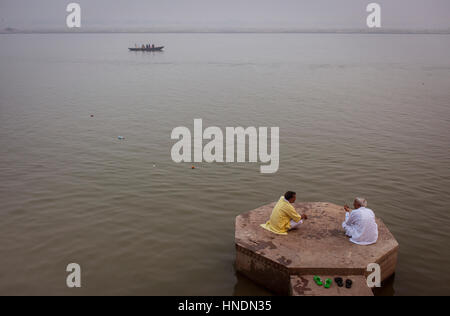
column 318, row 280
column 348, row 283
column 328, row 283
column 339, row 282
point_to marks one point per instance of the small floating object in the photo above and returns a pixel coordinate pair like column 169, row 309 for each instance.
column 147, row 49
column 92, row 115
column 120, row 137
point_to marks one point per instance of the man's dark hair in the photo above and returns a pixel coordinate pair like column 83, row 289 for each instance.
column 289, row 195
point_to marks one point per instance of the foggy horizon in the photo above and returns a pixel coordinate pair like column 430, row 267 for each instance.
column 232, row 15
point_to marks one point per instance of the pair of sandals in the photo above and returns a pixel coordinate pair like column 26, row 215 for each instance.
column 328, row 282
column 319, row 282
column 340, row 282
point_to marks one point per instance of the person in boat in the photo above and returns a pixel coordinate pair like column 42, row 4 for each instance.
column 284, row 216
column 360, row 224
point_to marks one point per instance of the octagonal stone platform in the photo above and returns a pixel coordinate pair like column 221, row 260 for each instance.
column 318, row 247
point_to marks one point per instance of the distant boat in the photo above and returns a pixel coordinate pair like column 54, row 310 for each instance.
column 145, row 49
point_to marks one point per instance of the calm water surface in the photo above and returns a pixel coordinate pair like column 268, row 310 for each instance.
column 358, row 115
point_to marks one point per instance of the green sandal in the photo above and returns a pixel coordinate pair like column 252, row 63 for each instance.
column 328, row 283
column 318, row 280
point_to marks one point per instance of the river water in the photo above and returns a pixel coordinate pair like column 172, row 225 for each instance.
column 359, row 115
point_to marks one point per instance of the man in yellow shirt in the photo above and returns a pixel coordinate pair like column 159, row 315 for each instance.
column 284, row 216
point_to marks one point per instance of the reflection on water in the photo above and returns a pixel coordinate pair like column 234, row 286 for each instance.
column 387, row 288
column 358, row 115
column 245, row 286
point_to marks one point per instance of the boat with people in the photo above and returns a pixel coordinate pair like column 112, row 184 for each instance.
column 146, row 48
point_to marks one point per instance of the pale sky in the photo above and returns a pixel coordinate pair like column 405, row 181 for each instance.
column 307, row 14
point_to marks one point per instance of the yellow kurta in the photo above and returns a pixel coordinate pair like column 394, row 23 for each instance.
column 282, row 214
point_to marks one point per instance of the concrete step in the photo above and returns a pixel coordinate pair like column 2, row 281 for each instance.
column 304, row 285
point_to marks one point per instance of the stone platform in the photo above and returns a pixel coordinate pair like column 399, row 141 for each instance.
column 304, row 285
column 318, row 247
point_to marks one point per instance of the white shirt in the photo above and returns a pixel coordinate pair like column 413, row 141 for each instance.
column 360, row 225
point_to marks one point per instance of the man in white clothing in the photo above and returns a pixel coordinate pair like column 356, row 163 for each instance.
column 360, row 224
